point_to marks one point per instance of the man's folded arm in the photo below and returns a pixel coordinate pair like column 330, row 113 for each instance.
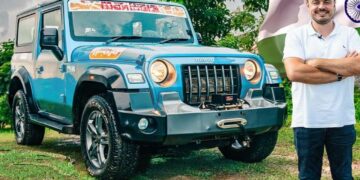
column 348, row 66
column 297, row 71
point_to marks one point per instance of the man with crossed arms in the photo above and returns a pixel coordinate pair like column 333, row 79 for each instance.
column 321, row 60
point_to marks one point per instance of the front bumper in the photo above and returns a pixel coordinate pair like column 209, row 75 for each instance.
column 180, row 124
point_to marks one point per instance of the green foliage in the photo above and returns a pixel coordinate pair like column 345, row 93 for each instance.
column 5, row 74
column 210, row 17
column 245, row 24
column 357, row 103
column 259, row 6
column 287, row 86
column 6, row 51
column 229, row 41
column 5, row 114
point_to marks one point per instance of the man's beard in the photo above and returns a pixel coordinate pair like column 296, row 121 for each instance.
column 325, row 21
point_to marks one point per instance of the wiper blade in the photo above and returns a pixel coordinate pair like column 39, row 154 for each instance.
column 113, row 39
column 173, row 40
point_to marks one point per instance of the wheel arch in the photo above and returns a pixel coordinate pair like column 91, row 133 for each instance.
column 21, row 80
column 96, row 80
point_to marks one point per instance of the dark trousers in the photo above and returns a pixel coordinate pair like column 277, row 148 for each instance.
column 310, row 143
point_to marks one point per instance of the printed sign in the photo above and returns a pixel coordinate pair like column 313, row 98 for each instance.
column 107, row 53
column 80, row 5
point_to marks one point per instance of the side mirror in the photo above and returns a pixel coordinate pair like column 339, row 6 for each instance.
column 199, row 38
column 49, row 40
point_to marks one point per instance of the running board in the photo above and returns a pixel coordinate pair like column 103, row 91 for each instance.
column 66, row 129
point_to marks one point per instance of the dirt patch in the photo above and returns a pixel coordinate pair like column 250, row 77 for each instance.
column 231, row 177
column 181, row 178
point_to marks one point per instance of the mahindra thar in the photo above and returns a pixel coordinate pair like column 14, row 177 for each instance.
column 132, row 78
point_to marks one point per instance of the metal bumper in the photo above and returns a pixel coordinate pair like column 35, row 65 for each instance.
column 179, row 123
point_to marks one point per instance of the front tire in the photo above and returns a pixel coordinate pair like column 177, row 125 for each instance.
column 25, row 132
column 106, row 154
column 261, row 146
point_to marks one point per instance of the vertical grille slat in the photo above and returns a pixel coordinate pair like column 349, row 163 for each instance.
column 223, row 79
column 190, row 83
column 199, row 82
column 231, row 80
column 207, row 83
column 216, row 83
column 203, row 81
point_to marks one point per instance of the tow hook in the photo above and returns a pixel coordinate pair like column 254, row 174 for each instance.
column 245, row 142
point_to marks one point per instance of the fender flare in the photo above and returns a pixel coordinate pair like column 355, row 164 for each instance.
column 110, row 77
column 25, row 79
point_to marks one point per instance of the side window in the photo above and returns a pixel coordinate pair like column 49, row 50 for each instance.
column 26, row 30
column 52, row 19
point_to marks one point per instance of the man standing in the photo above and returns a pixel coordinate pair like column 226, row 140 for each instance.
column 321, row 59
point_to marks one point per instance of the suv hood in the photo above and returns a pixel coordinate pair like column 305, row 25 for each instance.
column 133, row 52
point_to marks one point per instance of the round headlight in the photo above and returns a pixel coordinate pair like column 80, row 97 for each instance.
column 159, row 71
column 250, row 70
column 163, row 73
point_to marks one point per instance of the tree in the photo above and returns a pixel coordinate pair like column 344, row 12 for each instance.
column 210, row 17
column 259, row 6
column 245, row 24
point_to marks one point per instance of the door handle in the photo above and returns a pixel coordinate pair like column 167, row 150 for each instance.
column 40, row 69
column 62, row 68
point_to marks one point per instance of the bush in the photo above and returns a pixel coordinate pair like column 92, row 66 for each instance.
column 5, row 114
column 6, row 51
column 357, row 103
column 5, row 75
column 287, row 86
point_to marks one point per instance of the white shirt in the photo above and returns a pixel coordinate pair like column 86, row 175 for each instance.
column 324, row 105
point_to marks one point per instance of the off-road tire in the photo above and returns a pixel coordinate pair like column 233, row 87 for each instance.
column 31, row 134
column 261, row 147
column 122, row 156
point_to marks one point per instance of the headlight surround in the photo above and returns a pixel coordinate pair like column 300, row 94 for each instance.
column 252, row 71
column 163, row 73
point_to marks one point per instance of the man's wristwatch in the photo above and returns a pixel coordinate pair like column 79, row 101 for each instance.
column 339, row 77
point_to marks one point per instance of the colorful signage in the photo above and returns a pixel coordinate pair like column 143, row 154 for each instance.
column 80, row 5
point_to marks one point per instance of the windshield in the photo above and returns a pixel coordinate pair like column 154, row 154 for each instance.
column 104, row 20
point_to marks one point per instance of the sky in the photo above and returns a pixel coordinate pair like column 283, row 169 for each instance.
column 9, row 9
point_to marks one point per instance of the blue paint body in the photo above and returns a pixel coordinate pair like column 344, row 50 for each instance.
column 54, row 89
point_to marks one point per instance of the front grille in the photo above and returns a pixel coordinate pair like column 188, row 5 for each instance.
column 202, row 81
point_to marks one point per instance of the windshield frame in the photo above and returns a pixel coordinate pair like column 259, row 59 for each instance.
column 191, row 40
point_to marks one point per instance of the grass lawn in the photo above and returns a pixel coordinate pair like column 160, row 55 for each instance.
column 59, row 158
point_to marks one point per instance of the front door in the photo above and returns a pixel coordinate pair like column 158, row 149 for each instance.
column 49, row 82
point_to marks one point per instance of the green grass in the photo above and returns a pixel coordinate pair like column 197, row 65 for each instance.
column 59, row 158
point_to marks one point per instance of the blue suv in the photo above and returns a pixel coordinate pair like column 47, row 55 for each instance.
column 131, row 78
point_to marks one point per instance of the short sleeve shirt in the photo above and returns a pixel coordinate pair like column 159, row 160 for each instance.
column 322, row 105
